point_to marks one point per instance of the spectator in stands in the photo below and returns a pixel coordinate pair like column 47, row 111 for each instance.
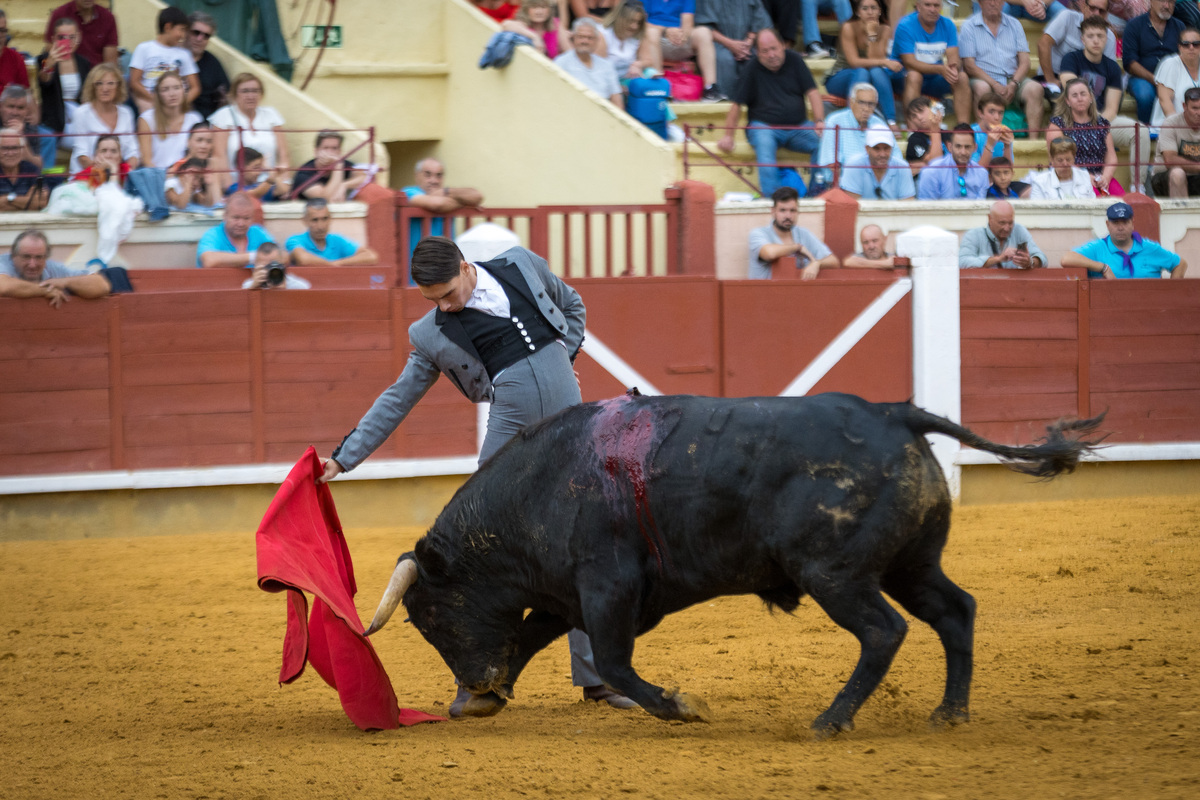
column 1123, row 253
column 596, row 9
column 163, row 130
column 245, row 123
column 862, row 56
column 1001, row 244
column 103, row 112
column 785, row 14
column 993, row 139
column 956, row 176
column 1105, row 80
column 874, row 254
column 192, row 183
column 270, row 270
column 1148, row 39
column 923, row 118
column 499, row 10
column 773, row 90
column 995, row 54
column 1076, row 118
column 14, row 114
column 1175, row 75
column 28, row 272
column 1177, row 165
column 214, row 83
column 733, row 24
column 1063, row 36
column 165, row 53
column 810, row 29
column 12, row 63
column 585, row 66
column 621, row 39
column 926, row 44
column 878, row 174
column 1121, row 11
column 1038, row 10
column 1064, row 180
column 846, row 129
column 536, row 21
column 672, row 35
column 1003, row 186
column 234, row 242
column 97, row 30
column 61, row 73
column 318, row 247
column 106, row 164
column 431, row 194
column 21, row 186
column 260, row 184
column 767, row 243
column 328, row 174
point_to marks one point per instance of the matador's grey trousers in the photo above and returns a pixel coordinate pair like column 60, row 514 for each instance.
column 528, row 391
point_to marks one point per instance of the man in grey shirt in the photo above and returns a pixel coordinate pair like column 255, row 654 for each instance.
column 1001, row 244
column 734, row 23
column 585, row 66
column 27, row 272
column 782, row 238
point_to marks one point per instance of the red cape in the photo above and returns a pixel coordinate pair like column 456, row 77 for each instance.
column 301, row 549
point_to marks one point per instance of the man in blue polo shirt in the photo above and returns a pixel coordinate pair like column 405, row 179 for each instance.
column 235, row 241
column 317, row 247
column 926, row 43
column 1123, row 253
column 877, row 174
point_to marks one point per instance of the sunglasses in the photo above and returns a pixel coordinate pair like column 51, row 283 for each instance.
column 202, row 34
column 962, row 186
column 1190, row 45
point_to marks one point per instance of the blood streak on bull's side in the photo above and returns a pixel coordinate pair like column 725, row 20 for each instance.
column 625, row 444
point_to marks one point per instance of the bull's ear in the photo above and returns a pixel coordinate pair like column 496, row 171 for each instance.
column 430, row 558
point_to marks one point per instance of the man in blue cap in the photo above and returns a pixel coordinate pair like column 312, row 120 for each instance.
column 1124, row 253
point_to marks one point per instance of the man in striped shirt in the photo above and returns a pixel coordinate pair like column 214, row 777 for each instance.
column 995, row 55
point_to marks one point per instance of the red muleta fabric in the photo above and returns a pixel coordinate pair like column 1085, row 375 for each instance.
column 301, row 549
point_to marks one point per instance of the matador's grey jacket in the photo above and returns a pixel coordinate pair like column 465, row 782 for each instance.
column 441, row 345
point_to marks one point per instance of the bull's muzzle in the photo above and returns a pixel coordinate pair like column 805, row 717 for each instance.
column 404, row 576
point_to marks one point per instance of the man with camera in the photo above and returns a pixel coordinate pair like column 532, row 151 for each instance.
column 235, row 242
column 270, row 270
column 21, row 185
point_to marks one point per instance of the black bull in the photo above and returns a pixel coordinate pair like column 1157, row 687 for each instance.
column 610, row 515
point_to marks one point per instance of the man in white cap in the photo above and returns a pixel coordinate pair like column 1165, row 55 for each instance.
column 845, row 129
column 878, row 174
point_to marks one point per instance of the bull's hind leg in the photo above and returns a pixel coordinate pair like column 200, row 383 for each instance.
column 933, row 598
column 879, row 628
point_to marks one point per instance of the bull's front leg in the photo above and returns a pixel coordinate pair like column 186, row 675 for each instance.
column 610, row 620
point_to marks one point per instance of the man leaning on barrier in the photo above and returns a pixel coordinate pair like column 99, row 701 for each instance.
column 1124, row 253
column 1001, row 244
column 28, row 272
column 783, row 238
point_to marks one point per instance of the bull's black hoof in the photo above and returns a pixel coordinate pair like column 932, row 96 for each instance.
column 824, row 728
column 949, row 717
column 476, row 705
column 688, row 708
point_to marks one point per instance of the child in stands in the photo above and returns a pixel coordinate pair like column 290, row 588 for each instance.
column 1003, row 186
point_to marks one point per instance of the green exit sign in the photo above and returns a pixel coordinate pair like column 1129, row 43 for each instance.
column 313, row 35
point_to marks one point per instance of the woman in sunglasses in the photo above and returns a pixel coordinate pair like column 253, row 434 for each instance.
column 61, row 74
column 1175, row 75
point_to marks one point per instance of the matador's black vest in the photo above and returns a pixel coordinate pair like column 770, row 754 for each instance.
column 503, row 341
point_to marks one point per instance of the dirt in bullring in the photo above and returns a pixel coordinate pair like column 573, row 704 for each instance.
column 147, row 668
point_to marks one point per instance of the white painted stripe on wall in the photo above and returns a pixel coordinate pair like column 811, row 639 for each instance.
column 380, row 469
column 845, row 341
column 614, row 365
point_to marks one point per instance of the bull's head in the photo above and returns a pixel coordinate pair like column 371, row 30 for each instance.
column 476, row 650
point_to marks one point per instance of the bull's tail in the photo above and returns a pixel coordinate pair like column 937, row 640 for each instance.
column 1066, row 442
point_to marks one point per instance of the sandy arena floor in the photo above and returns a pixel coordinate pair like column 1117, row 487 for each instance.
column 146, row 668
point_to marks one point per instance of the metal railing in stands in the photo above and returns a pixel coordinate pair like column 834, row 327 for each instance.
column 741, row 169
column 578, row 241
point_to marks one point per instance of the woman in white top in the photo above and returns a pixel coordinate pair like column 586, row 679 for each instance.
column 622, row 39
column 1064, row 180
column 259, row 127
column 103, row 111
column 163, row 130
column 1175, row 75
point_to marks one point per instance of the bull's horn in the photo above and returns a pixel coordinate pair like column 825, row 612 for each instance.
column 404, row 576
